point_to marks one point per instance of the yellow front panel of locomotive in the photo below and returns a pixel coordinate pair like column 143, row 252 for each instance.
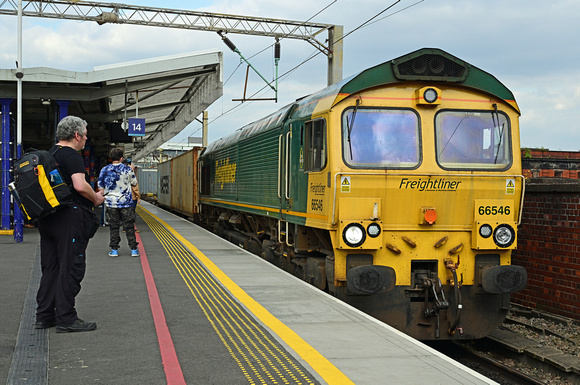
column 359, row 207
column 492, row 212
column 403, row 248
column 370, row 242
column 480, row 243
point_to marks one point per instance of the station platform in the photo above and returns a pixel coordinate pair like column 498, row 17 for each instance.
column 195, row 309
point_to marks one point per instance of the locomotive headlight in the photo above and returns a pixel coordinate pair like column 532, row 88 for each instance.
column 430, row 95
column 373, row 230
column 504, row 235
column 354, row 235
column 485, row 231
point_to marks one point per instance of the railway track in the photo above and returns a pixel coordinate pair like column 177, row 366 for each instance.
column 495, row 369
column 530, row 348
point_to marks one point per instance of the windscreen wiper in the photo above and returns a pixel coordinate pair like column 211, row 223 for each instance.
column 500, row 130
column 350, row 125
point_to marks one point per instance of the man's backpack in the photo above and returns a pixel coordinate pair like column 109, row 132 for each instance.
column 39, row 186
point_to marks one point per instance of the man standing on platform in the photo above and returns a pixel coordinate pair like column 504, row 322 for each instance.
column 65, row 234
column 115, row 180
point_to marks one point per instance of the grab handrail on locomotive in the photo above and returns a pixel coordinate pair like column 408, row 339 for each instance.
column 398, row 190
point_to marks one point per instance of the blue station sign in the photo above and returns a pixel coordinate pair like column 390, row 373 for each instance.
column 136, row 127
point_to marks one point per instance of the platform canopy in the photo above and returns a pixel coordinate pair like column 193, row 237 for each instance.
column 167, row 92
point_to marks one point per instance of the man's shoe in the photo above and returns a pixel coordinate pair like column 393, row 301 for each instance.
column 45, row 324
column 78, row 326
column 135, row 252
column 114, row 253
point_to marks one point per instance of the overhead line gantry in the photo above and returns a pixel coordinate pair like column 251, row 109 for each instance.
column 103, row 13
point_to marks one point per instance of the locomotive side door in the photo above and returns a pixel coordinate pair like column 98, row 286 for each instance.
column 286, row 201
column 294, row 178
column 301, row 153
column 283, row 183
column 290, row 181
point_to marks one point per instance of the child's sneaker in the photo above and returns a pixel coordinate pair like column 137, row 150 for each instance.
column 134, row 253
column 114, row 253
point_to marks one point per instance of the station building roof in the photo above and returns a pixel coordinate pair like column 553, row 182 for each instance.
column 168, row 92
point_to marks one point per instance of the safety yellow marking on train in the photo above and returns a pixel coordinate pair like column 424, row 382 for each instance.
column 270, row 209
column 317, row 361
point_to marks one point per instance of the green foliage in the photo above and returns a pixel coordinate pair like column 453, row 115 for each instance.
column 527, row 152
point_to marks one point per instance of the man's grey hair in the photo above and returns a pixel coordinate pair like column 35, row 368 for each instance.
column 70, row 125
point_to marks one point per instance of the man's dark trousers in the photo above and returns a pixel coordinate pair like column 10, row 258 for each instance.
column 63, row 246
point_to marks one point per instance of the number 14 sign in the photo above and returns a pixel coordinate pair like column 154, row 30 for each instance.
column 136, row 127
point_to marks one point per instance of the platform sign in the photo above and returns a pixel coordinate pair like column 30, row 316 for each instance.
column 136, row 127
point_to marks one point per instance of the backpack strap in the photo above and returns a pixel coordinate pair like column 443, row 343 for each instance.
column 53, row 151
column 56, row 148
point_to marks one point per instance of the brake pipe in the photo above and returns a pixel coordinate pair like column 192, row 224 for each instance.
column 453, row 267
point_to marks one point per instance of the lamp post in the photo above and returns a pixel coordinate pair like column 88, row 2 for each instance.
column 18, row 217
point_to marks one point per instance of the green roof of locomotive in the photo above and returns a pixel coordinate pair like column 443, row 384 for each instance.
column 424, row 65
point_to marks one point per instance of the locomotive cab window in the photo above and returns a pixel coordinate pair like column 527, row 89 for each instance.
column 315, row 144
column 473, row 140
column 378, row 137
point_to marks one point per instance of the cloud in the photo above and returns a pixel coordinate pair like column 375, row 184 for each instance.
column 525, row 44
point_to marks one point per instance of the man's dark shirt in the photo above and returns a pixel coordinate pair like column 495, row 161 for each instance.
column 71, row 162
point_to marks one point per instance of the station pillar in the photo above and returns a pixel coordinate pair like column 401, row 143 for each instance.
column 62, row 108
column 18, row 215
column 5, row 221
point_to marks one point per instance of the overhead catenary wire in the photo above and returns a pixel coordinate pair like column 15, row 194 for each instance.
column 394, row 13
column 283, row 36
column 256, row 54
column 314, row 54
column 295, row 28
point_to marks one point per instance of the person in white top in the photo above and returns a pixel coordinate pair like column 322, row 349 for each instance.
column 115, row 180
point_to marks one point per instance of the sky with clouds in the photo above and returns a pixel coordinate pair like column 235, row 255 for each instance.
column 529, row 45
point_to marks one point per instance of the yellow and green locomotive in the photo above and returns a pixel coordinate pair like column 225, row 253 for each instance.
column 398, row 190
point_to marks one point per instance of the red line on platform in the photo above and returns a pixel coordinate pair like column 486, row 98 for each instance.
column 173, row 372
